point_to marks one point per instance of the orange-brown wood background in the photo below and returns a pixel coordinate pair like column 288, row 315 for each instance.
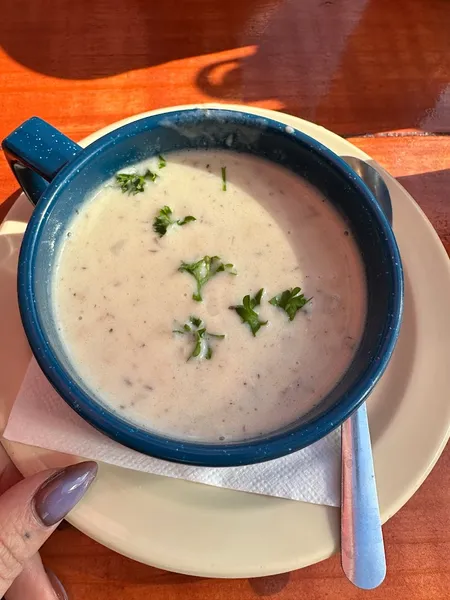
column 376, row 71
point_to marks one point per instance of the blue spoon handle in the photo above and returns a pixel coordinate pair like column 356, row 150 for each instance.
column 362, row 549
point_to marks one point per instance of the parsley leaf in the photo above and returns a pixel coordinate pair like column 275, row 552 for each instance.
column 187, row 219
column 162, row 162
column 201, row 337
column 248, row 314
column 164, row 220
column 224, row 179
column 290, row 301
column 132, row 183
column 203, row 270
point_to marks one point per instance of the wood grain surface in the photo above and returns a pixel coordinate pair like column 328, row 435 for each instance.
column 377, row 71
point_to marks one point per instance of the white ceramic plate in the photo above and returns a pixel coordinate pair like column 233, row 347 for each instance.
column 196, row 529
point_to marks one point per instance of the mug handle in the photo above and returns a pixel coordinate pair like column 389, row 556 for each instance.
column 36, row 152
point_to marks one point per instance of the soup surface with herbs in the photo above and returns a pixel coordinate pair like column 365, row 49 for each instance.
column 209, row 296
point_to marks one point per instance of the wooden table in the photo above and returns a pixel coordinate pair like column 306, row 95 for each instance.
column 375, row 71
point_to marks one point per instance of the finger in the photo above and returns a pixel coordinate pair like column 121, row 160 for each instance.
column 9, row 474
column 34, row 582
column 31, row 510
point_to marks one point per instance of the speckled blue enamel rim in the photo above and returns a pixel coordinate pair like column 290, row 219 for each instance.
column 253, row 451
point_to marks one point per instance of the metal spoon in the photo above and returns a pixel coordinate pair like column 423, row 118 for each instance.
column 374, row 182
column 362, row 550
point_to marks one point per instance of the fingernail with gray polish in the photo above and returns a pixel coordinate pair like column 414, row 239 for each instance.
column 59, row 494
column 60, row 592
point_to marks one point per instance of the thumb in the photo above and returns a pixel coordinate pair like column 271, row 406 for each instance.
column 31, row 510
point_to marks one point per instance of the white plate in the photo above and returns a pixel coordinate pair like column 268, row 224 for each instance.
column 196, row 529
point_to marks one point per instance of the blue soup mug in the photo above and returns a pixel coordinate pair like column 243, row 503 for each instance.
column 58, row 176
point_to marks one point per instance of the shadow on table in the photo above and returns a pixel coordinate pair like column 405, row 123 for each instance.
column 92, row 39
column 431, row 191
column 269, row 586
column 352, row 65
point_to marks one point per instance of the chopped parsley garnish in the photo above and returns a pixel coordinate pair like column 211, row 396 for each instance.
column 247, row 312
column 196, row 328
column 203, row 270
column 290, row 301
column 164, row 220
column 224, row 179
column 132, row 183
column 162, row 162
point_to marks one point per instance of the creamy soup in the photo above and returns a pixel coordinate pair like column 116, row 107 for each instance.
column 124, row 306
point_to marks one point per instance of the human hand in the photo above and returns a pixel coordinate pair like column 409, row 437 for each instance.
column 30, row 510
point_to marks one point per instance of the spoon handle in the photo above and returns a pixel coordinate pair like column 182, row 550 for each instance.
column 362, row 549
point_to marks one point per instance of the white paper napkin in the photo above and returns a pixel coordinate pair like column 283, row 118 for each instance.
column 41, row 418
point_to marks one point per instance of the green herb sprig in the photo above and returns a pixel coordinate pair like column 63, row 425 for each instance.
column 195, row 327
column 162, row 162
column 132, row 183
column 224, row 179
column 291, row 301
column 247, row 312
column 164, row 220
column 203, row 270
